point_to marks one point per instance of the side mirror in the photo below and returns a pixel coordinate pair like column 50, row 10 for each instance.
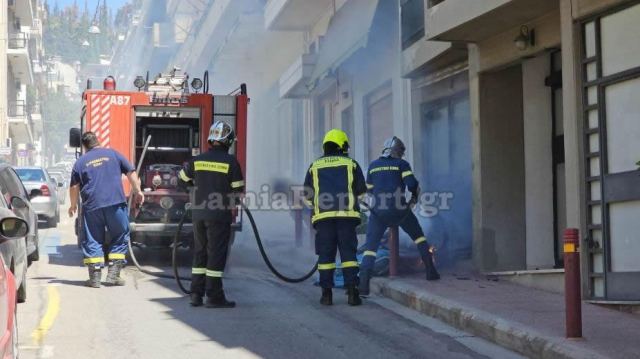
column 35, row 193
column 13, row 227
column 75, row 138
column 18, row 203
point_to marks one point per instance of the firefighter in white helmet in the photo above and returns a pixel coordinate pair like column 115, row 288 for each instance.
column 218, row 183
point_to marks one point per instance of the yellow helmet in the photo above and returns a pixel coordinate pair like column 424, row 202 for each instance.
column 338, row 137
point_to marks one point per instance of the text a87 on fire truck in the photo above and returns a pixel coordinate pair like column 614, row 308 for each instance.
column 172, row 118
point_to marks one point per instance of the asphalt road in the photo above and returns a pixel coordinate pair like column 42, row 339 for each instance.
column 149, row 318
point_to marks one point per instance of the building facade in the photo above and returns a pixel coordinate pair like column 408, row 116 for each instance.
column 21, row 80
column 550, row 88
column 518, row 115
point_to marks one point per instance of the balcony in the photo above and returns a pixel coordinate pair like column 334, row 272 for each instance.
column 293, row 82
column 19, row 124
column 474, row 21
column 294, row 15
column 425, row 57
column 18, row 56
column 23, row 9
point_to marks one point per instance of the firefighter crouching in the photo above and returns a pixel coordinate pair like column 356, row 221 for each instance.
column 387, row 178
column 218, row 183
column 333, row 184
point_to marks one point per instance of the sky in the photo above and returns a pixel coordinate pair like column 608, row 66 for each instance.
column 114, row 4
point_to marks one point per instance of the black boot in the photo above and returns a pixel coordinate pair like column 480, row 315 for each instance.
column 327, row 297
column 432, row 272
column 218, row 300
column 215, row 294
column 95, row 276
column 113, row 274
column 365, row 277
column 353, row 295
column 196, row 299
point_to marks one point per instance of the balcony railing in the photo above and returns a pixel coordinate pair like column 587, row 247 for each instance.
column 412, row 21
column 18, row 40
column 18, row 109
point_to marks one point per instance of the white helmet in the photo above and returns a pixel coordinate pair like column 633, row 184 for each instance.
column 221, row 132
column 393, row 147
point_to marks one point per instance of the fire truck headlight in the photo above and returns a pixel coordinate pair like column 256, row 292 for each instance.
column 196, row 84
column 166, row 202
column 139, row 82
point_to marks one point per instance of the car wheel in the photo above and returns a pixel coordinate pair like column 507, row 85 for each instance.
column 22, row 291
column 52, row 222
column 35, row 256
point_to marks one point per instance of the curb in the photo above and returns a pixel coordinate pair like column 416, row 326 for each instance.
column 510, row 335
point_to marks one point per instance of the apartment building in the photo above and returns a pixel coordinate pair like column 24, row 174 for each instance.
column 517, row 114
column 20, row 119
column 554, row 143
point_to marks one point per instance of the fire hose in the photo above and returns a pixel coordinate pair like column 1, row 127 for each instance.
column 176, row 238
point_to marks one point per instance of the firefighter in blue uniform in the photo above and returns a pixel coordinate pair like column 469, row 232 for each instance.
column 387, row 178
column 218, row 184
column 97, row 178
column 333, row 184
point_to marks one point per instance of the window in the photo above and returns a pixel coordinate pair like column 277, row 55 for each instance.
column 412, row 21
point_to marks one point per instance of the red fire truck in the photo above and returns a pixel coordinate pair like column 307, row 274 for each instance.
column 168, row 120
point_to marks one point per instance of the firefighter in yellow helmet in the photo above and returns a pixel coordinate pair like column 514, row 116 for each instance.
column 333, row 184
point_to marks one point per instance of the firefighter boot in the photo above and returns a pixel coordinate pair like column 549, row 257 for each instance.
column 95, row 275
column 196, row 299
column 216, row 297
column 353, row 296
column 113, row 274
column 327, row 297
column 432, row 272
column 218, row 300
column 363, row 288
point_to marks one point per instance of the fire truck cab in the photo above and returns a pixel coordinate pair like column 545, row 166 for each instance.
column 158, row 129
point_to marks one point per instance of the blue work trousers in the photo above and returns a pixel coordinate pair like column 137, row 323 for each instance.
column 332, row 235
column 96, row 223
column 378, row 224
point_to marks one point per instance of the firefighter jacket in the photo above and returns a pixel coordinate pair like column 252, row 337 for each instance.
column 333, row 185
column 216, row 178
column 390, row 176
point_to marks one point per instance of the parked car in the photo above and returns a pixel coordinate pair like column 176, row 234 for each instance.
column 18, row 200
column 61, row 183
column 14, row 252
column 45, row 199
column 12, row 229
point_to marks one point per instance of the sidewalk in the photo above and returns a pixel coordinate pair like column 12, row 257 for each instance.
column 522, row 319
column 526, row 320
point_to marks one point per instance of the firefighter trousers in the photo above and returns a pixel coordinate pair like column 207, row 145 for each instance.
column 378, row 224
column 96, row 224
column 333, row 235
column 210, row 249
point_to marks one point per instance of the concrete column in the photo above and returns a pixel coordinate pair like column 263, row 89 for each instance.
column 498, row 167
column 572, row 124
column 538, row 160
column 476, row 151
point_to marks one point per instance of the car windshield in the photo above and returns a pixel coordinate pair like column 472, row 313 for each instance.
column 31, row 174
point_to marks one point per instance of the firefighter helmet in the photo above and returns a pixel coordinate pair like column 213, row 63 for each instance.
column 221, row 132
column 338, row 137
column 393, row 147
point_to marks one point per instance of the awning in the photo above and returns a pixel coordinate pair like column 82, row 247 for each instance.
column 348, row 32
